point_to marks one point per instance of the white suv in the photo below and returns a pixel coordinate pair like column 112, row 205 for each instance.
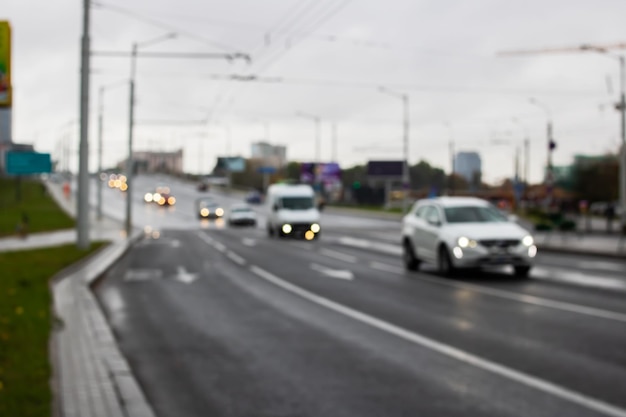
column 464, row 232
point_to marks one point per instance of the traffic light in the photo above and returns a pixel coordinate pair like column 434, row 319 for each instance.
column 552, row 145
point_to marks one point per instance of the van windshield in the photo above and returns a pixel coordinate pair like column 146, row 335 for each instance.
column 297, row 203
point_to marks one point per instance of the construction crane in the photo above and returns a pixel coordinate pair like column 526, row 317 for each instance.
column 620, row 106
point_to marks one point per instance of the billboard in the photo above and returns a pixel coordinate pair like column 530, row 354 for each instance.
column 385, row 169
column 325, row 173
column 24, row 163
column 231, row 164
column 5, row 64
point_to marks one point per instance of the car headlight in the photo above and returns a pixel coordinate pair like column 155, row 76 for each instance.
column 287, row 229
column 528, row 240
column 171, row 201
column 204, row 212
column 315, row 228
column 148, row 197
column 219, row 212
column 465, row 242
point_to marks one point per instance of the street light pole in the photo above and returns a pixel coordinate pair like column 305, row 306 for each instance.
column 622, row 165
column 82, row 225
column 549, row 180
column 317, row 121
column 100, row 139
column 405, row 167
column 129, row 161
column 131, row 123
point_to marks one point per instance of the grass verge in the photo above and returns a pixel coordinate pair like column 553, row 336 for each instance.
column 34, row 201
column 25, row 326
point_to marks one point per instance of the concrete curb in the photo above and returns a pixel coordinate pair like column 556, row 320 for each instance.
column 92, row 376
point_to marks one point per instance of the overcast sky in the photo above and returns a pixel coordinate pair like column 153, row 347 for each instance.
column 325, row 58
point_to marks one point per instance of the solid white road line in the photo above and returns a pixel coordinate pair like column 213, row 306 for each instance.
column 236, row 258
column 339, row 255
column 446, row 350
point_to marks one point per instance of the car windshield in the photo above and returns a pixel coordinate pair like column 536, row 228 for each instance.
column 297, row 203
column 207, row 203
column 473, row 214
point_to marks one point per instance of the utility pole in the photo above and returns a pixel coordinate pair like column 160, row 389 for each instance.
column 406, row 186
column 453, row 166
column 551, row 145
column 100, row 138
column 334, row 152
column 82, row 224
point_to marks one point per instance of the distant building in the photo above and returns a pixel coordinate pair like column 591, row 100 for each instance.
column 271, row 155
column 468, row 165
column 153, row 162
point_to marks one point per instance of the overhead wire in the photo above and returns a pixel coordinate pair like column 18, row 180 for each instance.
column 130, row 13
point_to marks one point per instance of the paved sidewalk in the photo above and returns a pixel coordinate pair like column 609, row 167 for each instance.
column 91, row 378
column 590, row 244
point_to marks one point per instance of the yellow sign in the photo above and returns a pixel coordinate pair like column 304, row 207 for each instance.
column 5, row 64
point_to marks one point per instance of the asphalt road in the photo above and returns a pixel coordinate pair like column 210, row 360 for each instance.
column 219, row 321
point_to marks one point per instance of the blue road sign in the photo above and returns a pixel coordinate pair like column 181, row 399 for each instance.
column 23, row 163
column 266, row 170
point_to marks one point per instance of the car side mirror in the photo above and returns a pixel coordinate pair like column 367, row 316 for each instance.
column 435, row 223
column 275, row 207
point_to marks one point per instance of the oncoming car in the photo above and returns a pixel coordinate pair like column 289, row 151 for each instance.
column 209, row 209
column 464, row 232
column 161, row 196
column 241, row 215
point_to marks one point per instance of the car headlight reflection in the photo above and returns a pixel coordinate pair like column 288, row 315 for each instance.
column 315, row 228
column 532, row 251
column 287, row 229
column 528, row 240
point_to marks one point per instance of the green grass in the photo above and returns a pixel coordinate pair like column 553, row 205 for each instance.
column 42, row 211
column 25, row 325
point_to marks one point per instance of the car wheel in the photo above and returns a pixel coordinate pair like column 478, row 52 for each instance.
column 444, row 262
column 521, row 271
column 411, row 262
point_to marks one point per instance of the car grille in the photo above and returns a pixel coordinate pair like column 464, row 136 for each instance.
column 499, row 243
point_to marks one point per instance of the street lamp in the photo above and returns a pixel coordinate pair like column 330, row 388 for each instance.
column 549, row 180
column 100, row 129
column 317, row 121
column 131, row 122
column 405, row 166
column 526, row 142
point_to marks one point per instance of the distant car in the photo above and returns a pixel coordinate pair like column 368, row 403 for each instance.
column 207, row 208
column 161, row 196
column 254, row 197
column 241, row 215
column 463, row 232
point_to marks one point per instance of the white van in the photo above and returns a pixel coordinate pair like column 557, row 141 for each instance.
column 292, row 211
